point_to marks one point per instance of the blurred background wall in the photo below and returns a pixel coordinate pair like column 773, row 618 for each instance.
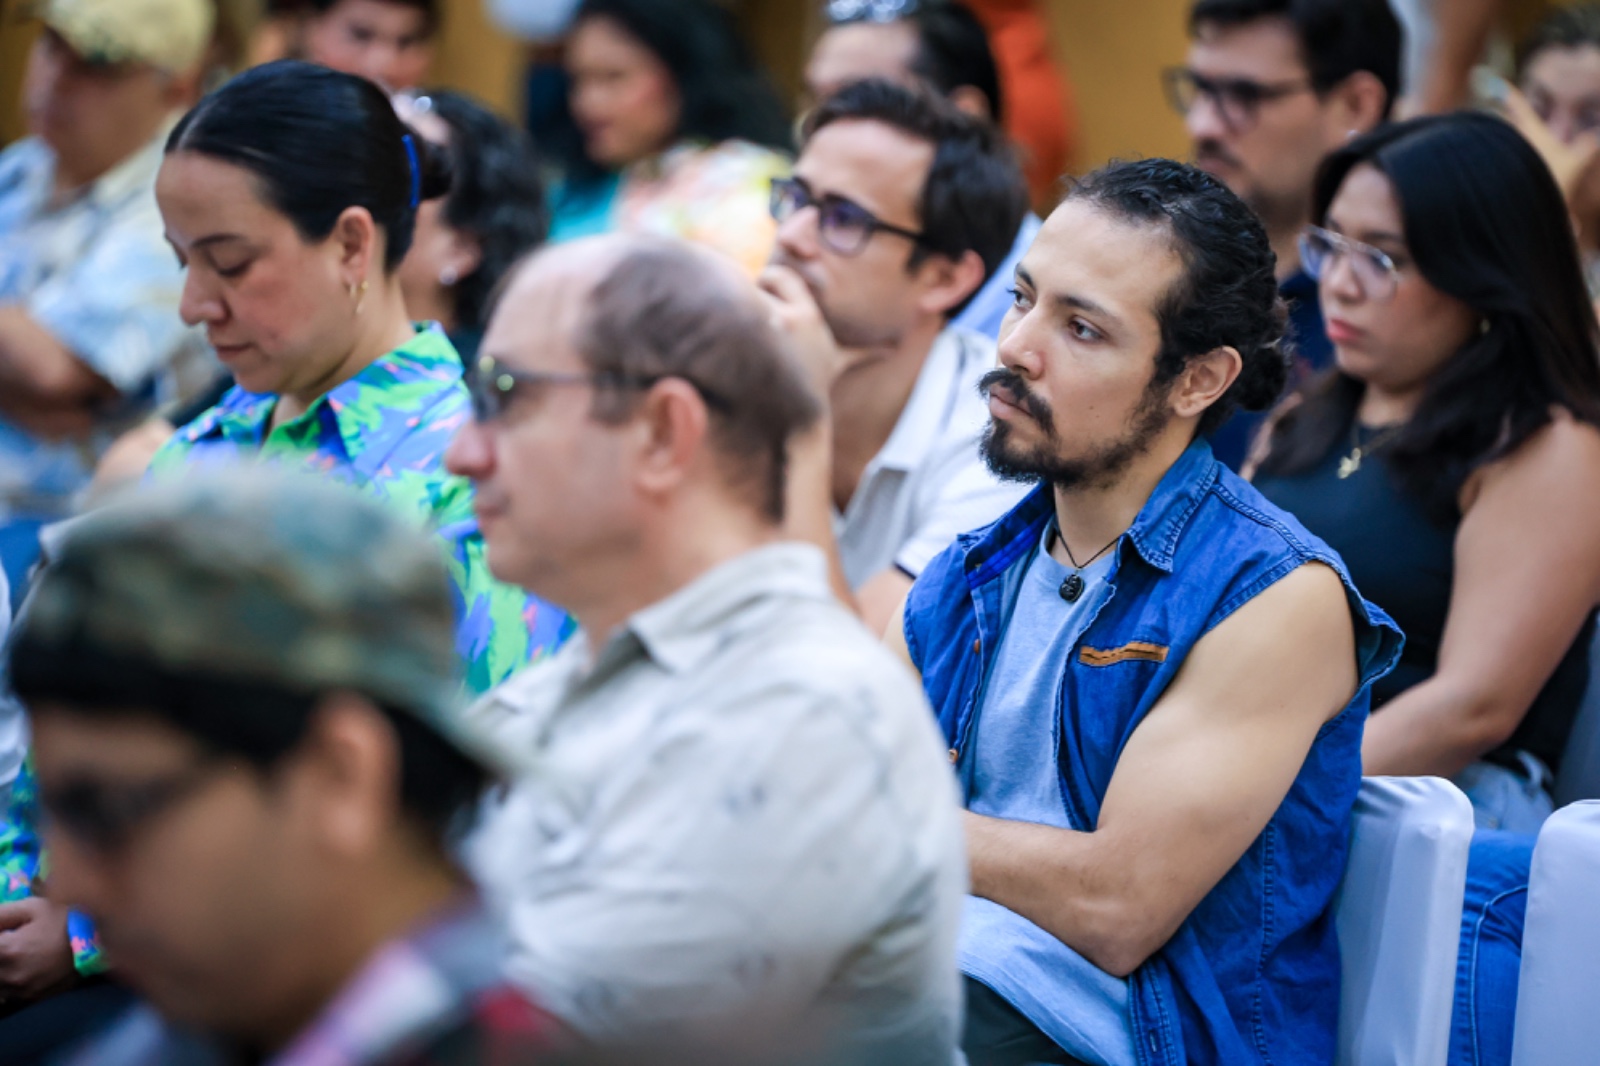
column 1113, row 51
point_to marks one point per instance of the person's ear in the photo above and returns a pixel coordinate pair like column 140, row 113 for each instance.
column 358, row 243
column 949, row 281
column 1204, row 381
column 1355, row 105
column 347, row 773
column 672, row 423
column 463, row 253
column 971, row 100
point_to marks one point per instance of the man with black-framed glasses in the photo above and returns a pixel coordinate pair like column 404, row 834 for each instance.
column 1268, row 88
column 900, row 206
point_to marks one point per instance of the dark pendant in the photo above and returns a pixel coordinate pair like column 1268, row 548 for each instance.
column 1072, row 588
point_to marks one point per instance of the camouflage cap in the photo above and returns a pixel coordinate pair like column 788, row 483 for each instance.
column 256, row 574
column 171, row 35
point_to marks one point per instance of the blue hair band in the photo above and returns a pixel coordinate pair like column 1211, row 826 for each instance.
column 416, row 170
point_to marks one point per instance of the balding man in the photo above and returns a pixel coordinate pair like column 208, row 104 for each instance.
column 745, row 840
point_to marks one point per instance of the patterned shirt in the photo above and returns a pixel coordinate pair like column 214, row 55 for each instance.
column 431, row 998
column 740, row 811
column 714, row 195
column 96, row 274
column 385, row 431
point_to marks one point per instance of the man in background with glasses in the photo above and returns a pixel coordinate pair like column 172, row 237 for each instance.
column 939, row 44
column 899, row 207
column 1268, row 89
column 745, row 834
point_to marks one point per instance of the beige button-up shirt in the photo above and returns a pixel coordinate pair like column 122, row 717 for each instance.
column 740, row 813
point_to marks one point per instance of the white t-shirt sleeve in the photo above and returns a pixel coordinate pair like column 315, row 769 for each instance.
column 960, row 495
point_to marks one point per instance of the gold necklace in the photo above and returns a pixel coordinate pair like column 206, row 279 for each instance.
column 1358, row 451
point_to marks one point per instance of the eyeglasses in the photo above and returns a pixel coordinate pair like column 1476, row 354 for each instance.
column 843, row 226
column 1237, row 100
column 842, row 11
column 1375, row 272
column 104, row 818
column 491, row 385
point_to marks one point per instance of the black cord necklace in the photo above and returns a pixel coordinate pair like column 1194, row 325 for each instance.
column 1072, row 586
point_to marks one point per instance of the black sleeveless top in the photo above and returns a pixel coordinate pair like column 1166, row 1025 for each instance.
column 1406, row 564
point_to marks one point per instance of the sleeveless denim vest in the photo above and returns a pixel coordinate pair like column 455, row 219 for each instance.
column 1252, row 976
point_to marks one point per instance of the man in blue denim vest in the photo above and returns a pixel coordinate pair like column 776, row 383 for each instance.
column 1153, row 682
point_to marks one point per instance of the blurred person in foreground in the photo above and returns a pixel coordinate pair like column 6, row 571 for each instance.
column 899, row 207
column 1451, row 459
column 938, row 44
column 250, row 752
column 89, row 331
column 681, row 132
column 746, row 838
column 1269, row 87
column 1152, row 682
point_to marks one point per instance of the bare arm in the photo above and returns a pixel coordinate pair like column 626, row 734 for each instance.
column 1463, row 28
column 1198, row 781
column 1527, row 572
column 44, row 388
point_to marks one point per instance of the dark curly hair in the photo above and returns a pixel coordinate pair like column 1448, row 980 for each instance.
column 1228, row 294
column 496, row 196
column 1577, row 26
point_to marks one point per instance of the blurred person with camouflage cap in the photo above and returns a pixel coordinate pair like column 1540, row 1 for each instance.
column 244, row 693
column 89, row 330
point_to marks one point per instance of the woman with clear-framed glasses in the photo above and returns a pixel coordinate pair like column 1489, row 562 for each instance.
column 1452, row 458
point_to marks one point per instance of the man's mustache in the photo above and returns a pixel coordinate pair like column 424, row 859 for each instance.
column 1015, row 391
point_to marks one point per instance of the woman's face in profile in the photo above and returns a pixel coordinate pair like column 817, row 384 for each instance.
column 623, row 97
column 1393, row 330
column 277, row 308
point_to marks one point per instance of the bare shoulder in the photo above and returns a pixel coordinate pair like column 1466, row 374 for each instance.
column 1564, row 454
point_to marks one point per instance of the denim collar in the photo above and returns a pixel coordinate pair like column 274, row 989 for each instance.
column 989, row 553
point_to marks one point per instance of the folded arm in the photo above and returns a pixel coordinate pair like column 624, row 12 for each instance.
column 1195, row 785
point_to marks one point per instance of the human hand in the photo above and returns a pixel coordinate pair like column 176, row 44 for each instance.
column 1570, row 162
column 798, row 318
column 35, row 951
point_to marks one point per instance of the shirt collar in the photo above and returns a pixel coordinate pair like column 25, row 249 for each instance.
column 362, row 409
column 403, row 382
column 683, row 630
column 405, row 988
column 927, row 410
column 1298, row 286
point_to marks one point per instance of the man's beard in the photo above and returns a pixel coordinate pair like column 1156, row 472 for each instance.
column 1100, row 468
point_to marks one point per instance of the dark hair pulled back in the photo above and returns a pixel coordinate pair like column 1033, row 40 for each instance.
column 1228, row 293
column 319, row 142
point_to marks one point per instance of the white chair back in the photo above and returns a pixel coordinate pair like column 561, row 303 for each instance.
column 1558, row 1015
column 1399, row 918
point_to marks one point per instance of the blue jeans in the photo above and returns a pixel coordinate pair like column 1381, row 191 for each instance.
column 1487, row 970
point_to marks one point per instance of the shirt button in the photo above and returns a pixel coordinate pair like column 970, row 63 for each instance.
column 954, row 755
column 977, row 645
